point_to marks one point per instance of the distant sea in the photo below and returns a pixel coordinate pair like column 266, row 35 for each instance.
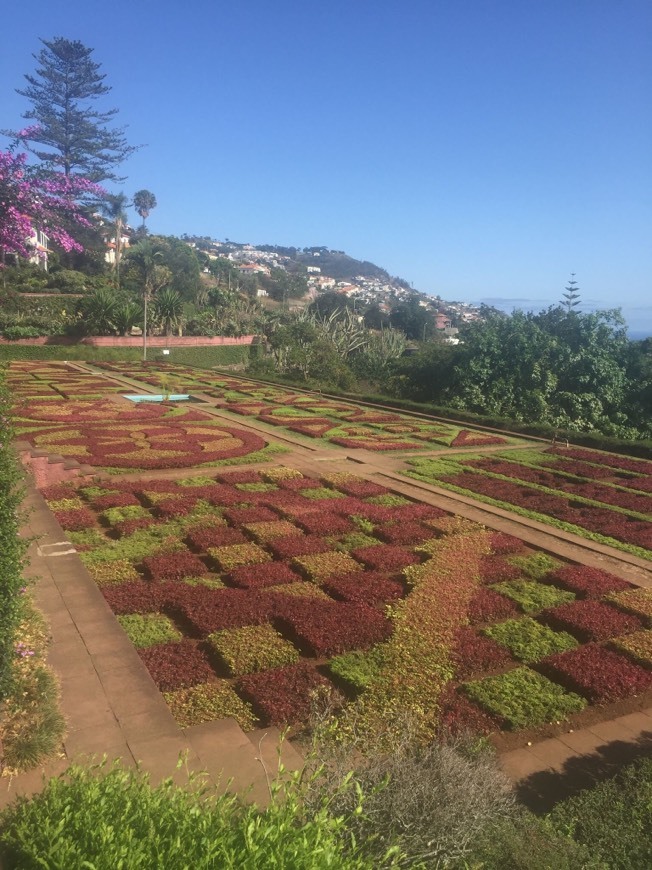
column 639, row 334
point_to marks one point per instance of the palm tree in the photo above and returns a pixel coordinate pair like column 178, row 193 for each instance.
column 146, row 257
column 98, row 311
column 144, row 202
column 128, row 315
column 115, row 209
column 168, row 309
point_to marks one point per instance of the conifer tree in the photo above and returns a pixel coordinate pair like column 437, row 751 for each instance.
column 69, row 134
column 571, row 298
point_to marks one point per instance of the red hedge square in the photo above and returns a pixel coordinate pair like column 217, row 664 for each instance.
column 136, row 597
column 282, row 696
column 474, row 654
column 241, row 516
column 326, row 628
column 589, row 582
column 174, row 566
column 494, row 569
column 365, row 587
column 404, row 533
column 600, row 674
column 177, row 665
column 591, row 620
column 298, row 545
column 259, row 576
column 488, row 606
column 322, row 523
column 214, row 536
column 385, row 558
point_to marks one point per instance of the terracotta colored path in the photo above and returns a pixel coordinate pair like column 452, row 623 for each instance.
column 114, row 708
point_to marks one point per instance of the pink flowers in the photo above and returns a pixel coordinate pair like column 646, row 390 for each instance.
column 28, row 202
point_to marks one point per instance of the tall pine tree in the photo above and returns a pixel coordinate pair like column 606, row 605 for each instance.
column 78, row 137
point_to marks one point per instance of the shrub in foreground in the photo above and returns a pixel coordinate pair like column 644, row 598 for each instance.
column 117, row 819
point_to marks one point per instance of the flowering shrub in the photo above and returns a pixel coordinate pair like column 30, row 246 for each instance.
column 522, row 698
column 600, row 674
column 591, row 620
column 474, row 653
column 252, row 648
column 528, row 640
column 385, row 558
column 177, row 665
column 173, row 566
column 365, row 587
column 282, row 695
column 259, row 576
column 235, row 555
column 208, row 702
column 587, row 582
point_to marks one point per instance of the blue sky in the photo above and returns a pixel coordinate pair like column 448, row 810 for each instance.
column 480, row 149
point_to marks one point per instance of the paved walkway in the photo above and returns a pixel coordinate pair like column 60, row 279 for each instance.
column 114, row 708
column 108, row 698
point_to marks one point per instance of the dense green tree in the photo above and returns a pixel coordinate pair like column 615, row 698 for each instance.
column 282, row 285
column 182, row 262
column 558, row 367
column 70, row 134
column 330, row 301
column 413, row 319
column 375, row 317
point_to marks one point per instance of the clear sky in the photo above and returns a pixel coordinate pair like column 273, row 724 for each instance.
column 480, row 149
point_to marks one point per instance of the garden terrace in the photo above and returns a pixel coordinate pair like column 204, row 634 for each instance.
column 229, row 593
column 599, row 496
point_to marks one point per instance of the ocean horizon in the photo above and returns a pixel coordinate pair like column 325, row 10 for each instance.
column 639, row 334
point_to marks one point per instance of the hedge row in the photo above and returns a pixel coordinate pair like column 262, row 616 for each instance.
column 11, row 547
column 200, row 357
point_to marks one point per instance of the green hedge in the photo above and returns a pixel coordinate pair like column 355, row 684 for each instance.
column 11, row 547
column 201, row 357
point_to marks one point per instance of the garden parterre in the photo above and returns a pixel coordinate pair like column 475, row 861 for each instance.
column 599, row 495
column 337, row 422
column 256, row 588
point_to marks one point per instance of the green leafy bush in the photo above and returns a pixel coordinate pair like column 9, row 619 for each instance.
column 253, row 648
column 117, row 819
column 147, row 629
column 358, row 668
column 524, row 698
column 528, row 640
column 535, row 566
column 532, row 596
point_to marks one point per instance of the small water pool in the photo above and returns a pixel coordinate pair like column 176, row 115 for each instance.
column 150, row 397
